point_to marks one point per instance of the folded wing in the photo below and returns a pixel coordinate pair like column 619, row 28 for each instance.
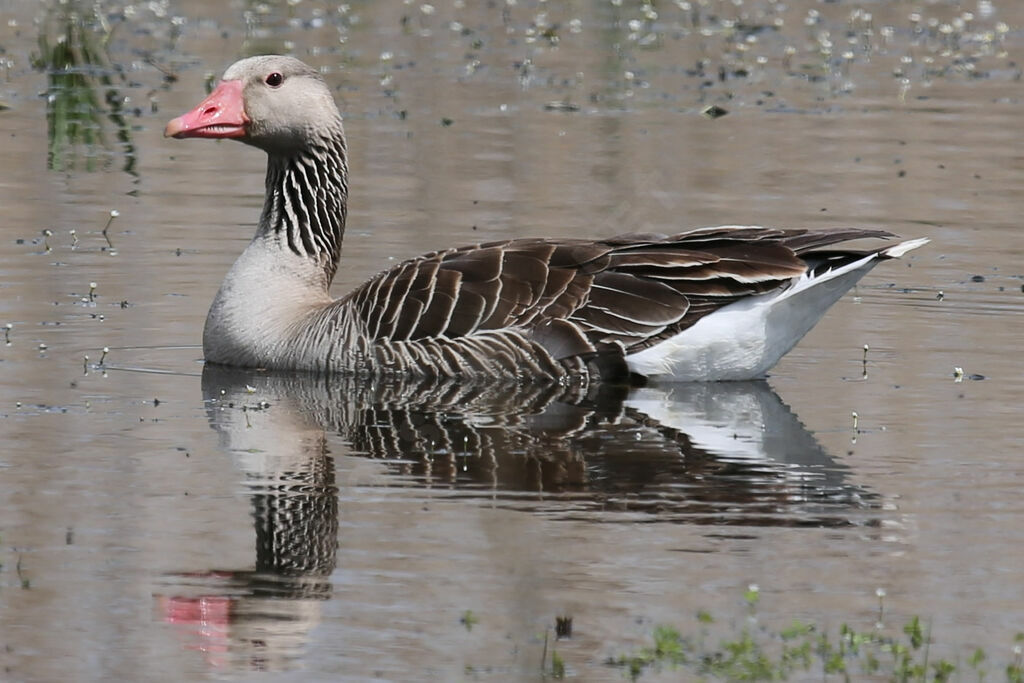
column 579, row 298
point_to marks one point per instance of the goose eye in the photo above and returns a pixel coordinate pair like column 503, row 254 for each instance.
column 274, row 80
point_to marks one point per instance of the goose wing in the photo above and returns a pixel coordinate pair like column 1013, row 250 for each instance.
column 577, row 297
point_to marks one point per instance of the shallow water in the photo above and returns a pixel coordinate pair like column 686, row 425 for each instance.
column 159, row 517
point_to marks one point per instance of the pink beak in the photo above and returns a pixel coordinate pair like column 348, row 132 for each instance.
column 220, row 115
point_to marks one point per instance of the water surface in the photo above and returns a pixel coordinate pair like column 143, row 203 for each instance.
column 163, row 517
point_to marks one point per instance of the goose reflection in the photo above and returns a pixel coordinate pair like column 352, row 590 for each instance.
column 712, row 453
column 717, row 453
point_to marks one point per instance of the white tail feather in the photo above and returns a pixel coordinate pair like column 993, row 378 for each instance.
column 902, row 248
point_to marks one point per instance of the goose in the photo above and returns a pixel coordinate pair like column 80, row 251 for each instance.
column 708, row 304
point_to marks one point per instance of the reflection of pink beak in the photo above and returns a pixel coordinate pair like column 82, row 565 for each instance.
column 220, row 115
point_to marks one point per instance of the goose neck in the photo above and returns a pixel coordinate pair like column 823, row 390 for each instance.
column 306, row 202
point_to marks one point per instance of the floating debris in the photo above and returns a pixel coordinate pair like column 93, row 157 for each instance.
column 561, row 106
column 714, row 111
column 169, row 75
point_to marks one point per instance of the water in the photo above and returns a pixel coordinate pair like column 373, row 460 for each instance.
column 166, row 518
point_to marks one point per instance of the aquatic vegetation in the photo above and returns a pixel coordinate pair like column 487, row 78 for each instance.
column 469, row 620
column 557, row 665
column 760, row 654
column 556, row 670
column 87, row 111
column 81, row 95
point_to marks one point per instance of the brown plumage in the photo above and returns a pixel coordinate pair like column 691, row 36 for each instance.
column 577, row 297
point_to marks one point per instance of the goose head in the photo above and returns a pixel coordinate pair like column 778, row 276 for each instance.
column 273, row 102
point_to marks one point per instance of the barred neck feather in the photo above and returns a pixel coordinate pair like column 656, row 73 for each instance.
column 307, row 196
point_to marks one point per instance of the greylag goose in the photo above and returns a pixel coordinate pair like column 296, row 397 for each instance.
column 721, row 303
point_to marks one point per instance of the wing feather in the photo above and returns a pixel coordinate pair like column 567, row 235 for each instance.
column 438, row 312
